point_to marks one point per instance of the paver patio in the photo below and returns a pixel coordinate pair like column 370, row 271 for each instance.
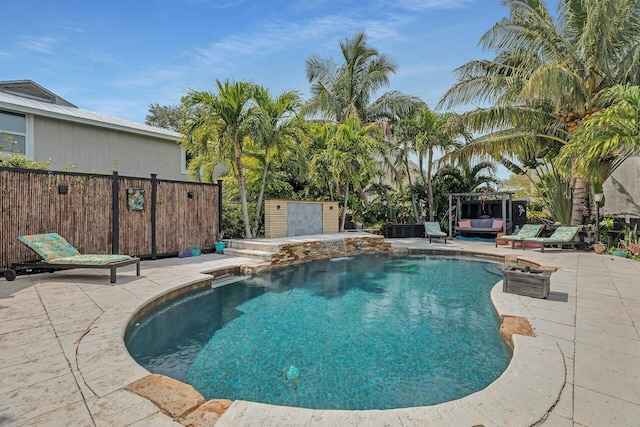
column 63, row 362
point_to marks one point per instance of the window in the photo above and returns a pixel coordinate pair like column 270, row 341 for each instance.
column 13, row 132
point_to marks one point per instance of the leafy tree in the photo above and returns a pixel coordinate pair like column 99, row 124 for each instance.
column 608, row 137
column 544, row 79
column 215, row 130
column 350, row 156
column 166, row 116
column 20, row 161
column 12, row 159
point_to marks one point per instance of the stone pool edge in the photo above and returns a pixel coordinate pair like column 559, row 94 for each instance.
column 524, row 394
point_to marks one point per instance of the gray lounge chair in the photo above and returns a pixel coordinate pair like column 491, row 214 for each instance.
column 432, row 229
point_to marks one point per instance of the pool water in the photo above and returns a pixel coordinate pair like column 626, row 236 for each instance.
column 369, row 332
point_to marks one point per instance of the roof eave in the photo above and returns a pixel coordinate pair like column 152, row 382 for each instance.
column 38, row 112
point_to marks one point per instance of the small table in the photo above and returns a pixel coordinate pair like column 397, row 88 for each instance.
column 501, row 242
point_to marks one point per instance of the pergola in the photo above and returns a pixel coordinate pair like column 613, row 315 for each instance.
column 456, row 200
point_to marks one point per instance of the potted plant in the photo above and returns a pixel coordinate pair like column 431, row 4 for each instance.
column 599, row 247
column 219, row 244
column 629, row 243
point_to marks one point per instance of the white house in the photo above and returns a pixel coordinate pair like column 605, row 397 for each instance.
column 41, row 125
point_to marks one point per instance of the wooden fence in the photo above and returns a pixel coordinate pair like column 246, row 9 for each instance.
column 94, row 213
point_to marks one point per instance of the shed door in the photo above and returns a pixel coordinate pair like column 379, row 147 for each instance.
column 304, row 219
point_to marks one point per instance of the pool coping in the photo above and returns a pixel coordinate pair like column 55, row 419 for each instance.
column 524, row 394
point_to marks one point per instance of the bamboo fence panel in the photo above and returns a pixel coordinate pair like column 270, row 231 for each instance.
column 135, row 226
column 186, row 223
column 30, row 204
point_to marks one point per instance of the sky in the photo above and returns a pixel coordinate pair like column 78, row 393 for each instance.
column 118, row 57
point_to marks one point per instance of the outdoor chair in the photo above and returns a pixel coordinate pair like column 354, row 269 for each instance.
column 527, row 231
column 58, row 254
column 432, row 229
column 563, row 236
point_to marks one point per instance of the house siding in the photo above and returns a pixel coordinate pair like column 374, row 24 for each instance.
column 102, row 150
column 622, row 189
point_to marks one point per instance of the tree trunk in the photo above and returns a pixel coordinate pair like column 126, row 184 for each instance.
column 430, row 184
column 363, row 196
column 580, row 201
column 261, row 195
column 344, row 207
column 413, row 197
column 242, row 191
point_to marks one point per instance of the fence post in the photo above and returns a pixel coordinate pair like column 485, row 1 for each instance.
column 154, row 204
column 115, row 214
column 219, row 206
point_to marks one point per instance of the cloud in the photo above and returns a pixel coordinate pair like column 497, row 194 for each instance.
column 100, row 57
column 420, row 5
column 153, row 78
column 281, row 36
column 39, row 44
column 71, row 26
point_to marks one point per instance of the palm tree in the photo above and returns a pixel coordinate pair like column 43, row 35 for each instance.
column 465, row 178
column 545, row 76
column 428, row 131
column 275, row 126
column 319, row 166
column 350, row 156
column 215, row 131
column 608, row 137
column 341, row 91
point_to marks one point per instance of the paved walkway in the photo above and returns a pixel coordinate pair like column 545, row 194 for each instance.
column 63, row 362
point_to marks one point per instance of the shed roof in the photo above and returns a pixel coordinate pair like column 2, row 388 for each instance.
column 69, row 112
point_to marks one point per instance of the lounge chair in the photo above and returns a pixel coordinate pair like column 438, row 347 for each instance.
column 58, row 254
column 432, row 229
column 527, row 231
column 563, row 236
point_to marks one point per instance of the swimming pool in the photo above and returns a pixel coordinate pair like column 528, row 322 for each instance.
column 371, row 332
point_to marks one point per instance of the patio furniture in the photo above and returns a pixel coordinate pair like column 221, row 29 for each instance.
column 480, row 226
column 563, row 236
column 527, row 231
column 58, row 254
column 432, row 229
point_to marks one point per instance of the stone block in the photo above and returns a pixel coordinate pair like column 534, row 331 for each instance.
column 173, row 397
column 515, row 325
column 207, row 414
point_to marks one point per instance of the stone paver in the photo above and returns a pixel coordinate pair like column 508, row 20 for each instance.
column 63, row 360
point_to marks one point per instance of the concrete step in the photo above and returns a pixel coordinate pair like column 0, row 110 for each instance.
column 263, row 246
column 227, row 280
column 249, row 253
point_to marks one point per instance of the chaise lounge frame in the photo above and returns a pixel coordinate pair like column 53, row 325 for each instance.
column 40, row 266
column 569, row 231
column 430, row 231
column 52, row 247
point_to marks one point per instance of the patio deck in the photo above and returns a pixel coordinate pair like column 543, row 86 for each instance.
column 63, row 361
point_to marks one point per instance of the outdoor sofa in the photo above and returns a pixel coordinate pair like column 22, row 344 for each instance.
column 58, row 254
column 481, row 226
